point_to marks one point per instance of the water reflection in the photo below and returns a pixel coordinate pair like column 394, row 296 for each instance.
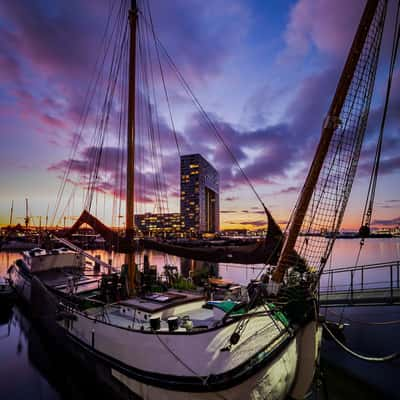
column 344, row 254
column 19, row 378
column 6, row 314
column 33, row 368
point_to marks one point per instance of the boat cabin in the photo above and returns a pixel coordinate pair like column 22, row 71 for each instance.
column 40, row 260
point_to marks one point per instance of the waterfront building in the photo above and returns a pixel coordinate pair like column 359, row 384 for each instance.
column 199, row 203
column 159, row 224
column 199, row 195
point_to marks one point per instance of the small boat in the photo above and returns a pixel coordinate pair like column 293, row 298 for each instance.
column 61, row 269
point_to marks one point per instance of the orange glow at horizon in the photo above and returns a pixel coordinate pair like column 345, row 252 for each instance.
column 236, row 222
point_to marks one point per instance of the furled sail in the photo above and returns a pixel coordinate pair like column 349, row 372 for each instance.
column 263, row 251
column 87, row 218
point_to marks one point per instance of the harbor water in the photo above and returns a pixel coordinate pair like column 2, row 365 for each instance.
column 29, row 370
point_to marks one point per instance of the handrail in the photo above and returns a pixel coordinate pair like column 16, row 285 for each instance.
column 355, row 284
column 362, row 267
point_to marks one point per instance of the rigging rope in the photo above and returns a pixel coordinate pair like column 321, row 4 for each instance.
column 390, row 357
column 349, row 289
column 156, row 45
column 205, row 115
column 83, row 117
column 106, row 110
column 94, row 155
column 152, row 127
column 202, row 379
column 111, row 55
column 369, row 204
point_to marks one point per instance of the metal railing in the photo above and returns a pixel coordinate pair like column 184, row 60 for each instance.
column 350, row 281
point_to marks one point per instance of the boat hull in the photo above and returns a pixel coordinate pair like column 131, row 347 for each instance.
column 272, row 382
column 268, row 383
column 270, row 373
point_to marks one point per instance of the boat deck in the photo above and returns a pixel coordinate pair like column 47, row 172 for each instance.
column 64, row 280
column 135, row 313
column 201, row 319
column 160, row 301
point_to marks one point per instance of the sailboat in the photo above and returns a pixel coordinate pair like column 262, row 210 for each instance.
column 179, row 345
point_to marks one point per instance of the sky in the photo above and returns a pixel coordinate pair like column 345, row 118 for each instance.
column 265, row 72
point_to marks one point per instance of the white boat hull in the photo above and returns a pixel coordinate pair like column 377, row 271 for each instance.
column 182, row 353
column 272, row 382
column 131, row 357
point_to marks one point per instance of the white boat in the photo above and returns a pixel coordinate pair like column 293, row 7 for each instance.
column 178, row 345
column 173, row 344
column 58, row 268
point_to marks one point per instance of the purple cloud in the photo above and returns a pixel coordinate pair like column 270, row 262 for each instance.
column 231, row 198
column 290, row 189
column 387, row 222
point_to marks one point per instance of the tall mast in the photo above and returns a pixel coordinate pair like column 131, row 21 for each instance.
column 11, row 212
column 328, row 130
column 47, row 216
column 26, row 214
column 130, row 168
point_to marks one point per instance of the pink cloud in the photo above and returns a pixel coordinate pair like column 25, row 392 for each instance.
column 52, row 121
column 325, row 24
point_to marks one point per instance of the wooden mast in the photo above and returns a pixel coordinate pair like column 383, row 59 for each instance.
column 328, row 129
column 130, row 169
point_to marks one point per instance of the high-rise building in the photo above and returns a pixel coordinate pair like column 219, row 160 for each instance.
column 199, row 195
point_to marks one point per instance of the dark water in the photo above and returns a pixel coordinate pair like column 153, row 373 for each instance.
column 381, row 379
column 31, row 369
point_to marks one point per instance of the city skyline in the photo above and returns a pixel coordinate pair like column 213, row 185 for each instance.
column 267, row 85
column 199, row 202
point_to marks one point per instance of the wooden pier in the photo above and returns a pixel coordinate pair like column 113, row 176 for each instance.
column 365, row 285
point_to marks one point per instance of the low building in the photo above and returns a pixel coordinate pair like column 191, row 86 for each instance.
column 159, row 224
